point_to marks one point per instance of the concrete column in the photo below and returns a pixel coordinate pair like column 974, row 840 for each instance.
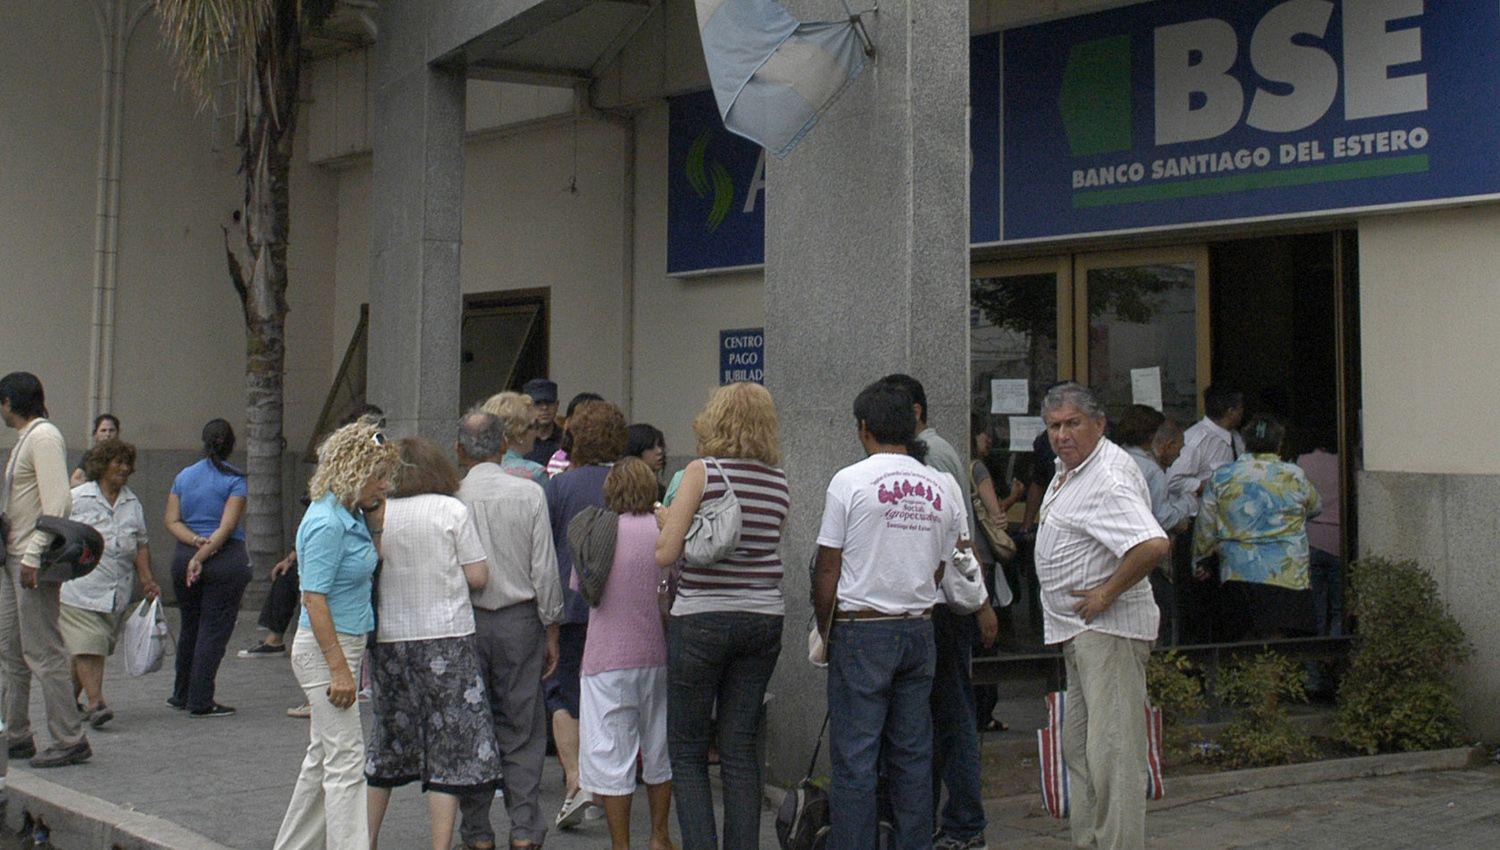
column 416, row 304
column 867, row 258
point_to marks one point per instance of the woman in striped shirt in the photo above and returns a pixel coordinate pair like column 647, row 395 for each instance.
column 725, row 630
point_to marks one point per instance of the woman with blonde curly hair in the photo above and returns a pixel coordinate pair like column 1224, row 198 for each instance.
column 337, row 550
column 515, row 410
column 724, row 634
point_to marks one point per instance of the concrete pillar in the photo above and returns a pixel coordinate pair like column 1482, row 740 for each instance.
column 867, row 259
column 416, row 304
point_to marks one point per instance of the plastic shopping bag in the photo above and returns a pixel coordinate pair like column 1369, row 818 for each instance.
column 145, row 638
column 1055, row 790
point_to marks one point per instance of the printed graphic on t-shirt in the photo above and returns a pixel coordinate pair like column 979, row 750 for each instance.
column 913, row 506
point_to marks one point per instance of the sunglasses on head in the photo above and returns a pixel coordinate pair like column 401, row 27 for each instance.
column 378, row 438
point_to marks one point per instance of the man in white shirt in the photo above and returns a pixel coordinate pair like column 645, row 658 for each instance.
column 1096, row 542
column 889, row 523
column 955, row 739
column 516, row 633
column 1207, row 444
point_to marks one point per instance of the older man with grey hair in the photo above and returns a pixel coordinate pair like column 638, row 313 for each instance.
column 515, row 618
column 1096, row 542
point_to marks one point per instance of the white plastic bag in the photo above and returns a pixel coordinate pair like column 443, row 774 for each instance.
column 145, row 638
column 963, row 583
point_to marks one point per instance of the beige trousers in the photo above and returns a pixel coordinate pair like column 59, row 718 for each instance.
column 328, row 807
column 31, row 644
column 1104, row 740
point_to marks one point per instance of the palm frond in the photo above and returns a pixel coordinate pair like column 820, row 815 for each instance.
column 206, row 35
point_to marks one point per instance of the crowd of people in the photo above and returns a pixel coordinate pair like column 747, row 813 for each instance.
column 548, row 591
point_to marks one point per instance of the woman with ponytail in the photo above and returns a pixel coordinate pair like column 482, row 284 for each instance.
column 210, row 568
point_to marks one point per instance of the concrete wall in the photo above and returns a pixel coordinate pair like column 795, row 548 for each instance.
column 179, row 338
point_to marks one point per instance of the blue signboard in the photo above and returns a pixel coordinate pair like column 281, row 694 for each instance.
column 1166, row 114
column 716, row 180
column 716, row 214
column 742, row 356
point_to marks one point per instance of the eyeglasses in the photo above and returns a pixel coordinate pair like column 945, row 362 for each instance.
column 378, row 438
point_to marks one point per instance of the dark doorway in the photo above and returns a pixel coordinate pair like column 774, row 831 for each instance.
column 504, row 343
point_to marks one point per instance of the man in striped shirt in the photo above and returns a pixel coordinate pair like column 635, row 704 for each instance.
column 1096, row 542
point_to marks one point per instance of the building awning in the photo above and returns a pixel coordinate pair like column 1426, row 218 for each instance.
column 554, row 42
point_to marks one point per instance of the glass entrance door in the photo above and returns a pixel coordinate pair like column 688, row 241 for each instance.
column 1141, row 325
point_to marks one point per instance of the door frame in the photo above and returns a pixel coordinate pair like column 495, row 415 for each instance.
column 1060, row 265
column 1196, row 254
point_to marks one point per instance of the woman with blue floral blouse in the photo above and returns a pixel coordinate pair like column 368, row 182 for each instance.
column 1254, row 516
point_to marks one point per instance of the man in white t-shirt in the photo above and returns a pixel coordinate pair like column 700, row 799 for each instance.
column 1096, row 543
column 889, row 524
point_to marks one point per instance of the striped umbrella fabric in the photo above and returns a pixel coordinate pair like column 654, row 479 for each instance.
column 774, row 77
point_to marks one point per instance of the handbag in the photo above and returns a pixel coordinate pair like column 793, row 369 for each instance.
column 145, row 638
column 963, row 583
column 1054, row 766
column 715, row 531
column 802, row 821
column 73, row 552
column 1002, row 546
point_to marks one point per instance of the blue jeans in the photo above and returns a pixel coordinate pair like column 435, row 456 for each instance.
column 725, row 657
column 879, row 686
column 955, row 738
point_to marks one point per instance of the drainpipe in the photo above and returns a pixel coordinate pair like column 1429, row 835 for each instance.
column 116, row 24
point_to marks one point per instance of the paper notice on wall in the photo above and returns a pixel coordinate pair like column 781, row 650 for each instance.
column 1009, row 395
column 1024, row 431
column 1145, row 387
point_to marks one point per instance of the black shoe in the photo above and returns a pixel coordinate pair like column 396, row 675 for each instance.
column 176, row 706
column 262, row 650
column 215, row 710
column 24, row 750
column 100, row 716
column 63, row 756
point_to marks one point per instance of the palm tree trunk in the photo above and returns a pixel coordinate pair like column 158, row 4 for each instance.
column 270, row 109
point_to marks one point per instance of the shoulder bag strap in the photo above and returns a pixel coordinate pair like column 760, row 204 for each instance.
column 818, row 747
column 728, row 487
column 10, row 470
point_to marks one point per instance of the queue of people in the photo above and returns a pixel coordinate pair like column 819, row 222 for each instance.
column 542, row 589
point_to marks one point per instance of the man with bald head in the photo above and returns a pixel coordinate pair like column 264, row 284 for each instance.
column 515, row 619
column 1096, row 542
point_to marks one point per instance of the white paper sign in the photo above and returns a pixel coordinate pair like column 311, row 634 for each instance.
column 1009, row 395
column 1145, row 387
column 1024, row 431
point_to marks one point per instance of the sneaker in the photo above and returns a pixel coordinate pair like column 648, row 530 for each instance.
column 951, row 842
column 100, row 716
column 214, row 710
column 263, row 650
column 176, row 706
column 572, row 811
column 63, row 756
column 303, row 711
column 365, row 694
column 24, row 750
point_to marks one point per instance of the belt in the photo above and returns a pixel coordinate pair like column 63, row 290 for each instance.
column 868, row 616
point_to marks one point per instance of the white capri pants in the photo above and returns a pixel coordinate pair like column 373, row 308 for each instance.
column 622, row 713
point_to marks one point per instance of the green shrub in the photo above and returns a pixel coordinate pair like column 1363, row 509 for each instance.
column 1263, row 733
column 1398, row 693
column 1172, row 684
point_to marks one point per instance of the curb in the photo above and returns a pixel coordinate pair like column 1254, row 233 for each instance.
column 79, row 821
column 1190, row 789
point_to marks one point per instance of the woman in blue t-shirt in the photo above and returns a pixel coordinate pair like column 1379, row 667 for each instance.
column 209, row 568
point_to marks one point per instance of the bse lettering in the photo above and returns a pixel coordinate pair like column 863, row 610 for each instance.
column 1197, row 96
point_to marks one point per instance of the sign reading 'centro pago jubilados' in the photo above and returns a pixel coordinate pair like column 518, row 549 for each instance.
column 1172, row 114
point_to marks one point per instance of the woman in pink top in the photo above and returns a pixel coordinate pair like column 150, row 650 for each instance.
column 624, row 682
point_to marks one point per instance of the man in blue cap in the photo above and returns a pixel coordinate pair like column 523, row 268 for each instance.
column 544, row 404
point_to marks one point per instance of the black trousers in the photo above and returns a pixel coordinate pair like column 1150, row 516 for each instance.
column 208, row 611
column 281, row 602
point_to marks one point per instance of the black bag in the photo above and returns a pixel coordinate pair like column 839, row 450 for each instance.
column 802, row 820
column 74, row 551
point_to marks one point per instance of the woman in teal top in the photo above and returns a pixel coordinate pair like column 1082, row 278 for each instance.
column 1254, row 516
column 337, row 549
